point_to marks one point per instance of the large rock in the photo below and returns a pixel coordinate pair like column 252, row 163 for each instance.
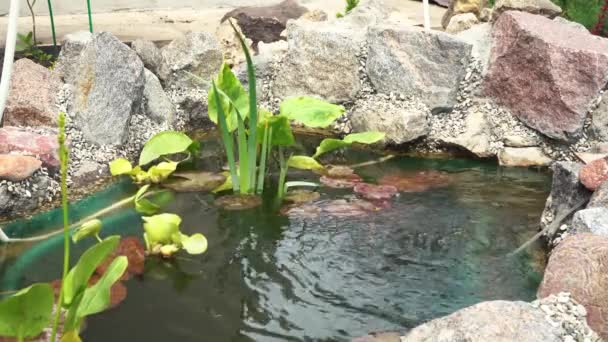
column 480, row 36
column 195, row 53
column 578, row 265
column 31, row 100
column 156, row 103
column 321, row 61
column 265, row 23
column 541, row 7
column 108, row 89
column 566, row 191
column 429, row 65
column 546, row 80
column 461, row 22
column 16, row 168
column 594, row 173
column 230, row 43
column 462, row 6
column 13, row 139
column 599, row 197
column 594, row 220
column 401, row 121
column 523, row 156
column 69, row 57
column 476, row 136
column 149, row 54
column 489, row 321
column 13, row 204
column 599, row 120
column 367, row 13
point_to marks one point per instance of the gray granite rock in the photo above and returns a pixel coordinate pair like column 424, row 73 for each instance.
column 149, row 54
column 156, row 103
column 594, row 220
column 599, row 197
column 69, row 57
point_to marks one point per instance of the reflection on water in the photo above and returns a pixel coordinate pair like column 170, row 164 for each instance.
column 268, row 277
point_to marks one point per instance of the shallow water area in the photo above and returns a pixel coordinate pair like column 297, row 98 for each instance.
column 273, row 277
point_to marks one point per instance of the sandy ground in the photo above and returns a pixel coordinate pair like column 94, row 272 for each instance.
column 166, row 24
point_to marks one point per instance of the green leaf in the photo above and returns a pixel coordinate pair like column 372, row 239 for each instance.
column 304, row 163
column 233, row 97
column 146, row 207
column 120, row 166
column 367, row 138
column 70, row 336
column 161, row 228
column 163, row 143
column 227, row 185
column 97, row 297
column 194, row 244
column 89, row 228
column 27, row 312
column 78, row 278
column 282, row 134
column 226, row 139
column 162, row 171
column 310, row 111
column 328, row 145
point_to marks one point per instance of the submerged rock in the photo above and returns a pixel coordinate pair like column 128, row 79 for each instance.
column 134, row 250
column 334, row 208
column 238, row 202
column 411, row 61
column 16, row 168
column 547, row 81
column 302, row 196
column 31, row 100
column 108, row 89
column 577, row 265
column 416, row 181
column 523, row 156
column 375, row 192
column 194, row 181
column 489, row 321
column 340, row 183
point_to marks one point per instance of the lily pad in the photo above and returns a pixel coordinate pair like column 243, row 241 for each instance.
column 340, row 183
column 194, row 181
column 375, row 192
column 238, row 202
column 416, row 181
column 302, row 196
column 134, row 250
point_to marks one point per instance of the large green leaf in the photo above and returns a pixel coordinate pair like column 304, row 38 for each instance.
column 367, row 138
column 328, row 145
column 28, row 312
column 282, row 134
column 161, row 228
column 120, row 166
column 304, row 163
column 78, row 278
column 97, row 297
column 233, row 97
column 163, row 143
column 310, row 111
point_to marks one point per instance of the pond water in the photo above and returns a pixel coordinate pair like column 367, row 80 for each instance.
column 269, row 277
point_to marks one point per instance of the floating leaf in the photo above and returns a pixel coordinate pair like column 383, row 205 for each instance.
column 196, row 181
column 367, row 138
column 232, row 96
column 328, row 145
column 238, row 202
column 304, row 163
column 310, row 111
column 194, row 244
column 161, row 228
column 375, row 192
column 27, row 312
column 162, row 171
column 164, row 143
column 97, row 297
column 120, row 166
column 89, row 228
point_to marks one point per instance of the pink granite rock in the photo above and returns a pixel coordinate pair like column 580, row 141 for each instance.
column 15, row 168
column 594, row 173
column 547, row 72
column 31, row 100
column 578, row 265
column 13, row 139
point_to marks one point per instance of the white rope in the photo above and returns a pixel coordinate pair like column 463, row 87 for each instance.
column 427, row 15
column 9, row 54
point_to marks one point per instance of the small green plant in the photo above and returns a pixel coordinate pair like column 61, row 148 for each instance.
column 350, row 5
column 28, row 46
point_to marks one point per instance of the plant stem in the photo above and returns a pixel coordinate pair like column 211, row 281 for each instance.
column 90, row 16
column 244, row 168
column 372, row 162
column 31, row 7
column 282, row 175
column 63, row 156
column 263, row 158
column 52, row 24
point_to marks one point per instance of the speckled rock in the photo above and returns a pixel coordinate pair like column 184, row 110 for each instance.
column 156, row 103
column 429, row 65
column 578, row 265
column 379, row 337
column 594, row 174
column 480, row 36
column 489, row 321
column 523, row 156
column 476, row 136
column 13, row 139
column 531, row 60
column 599, row 120
column 69, row 57
column 594, row 220
column 195, row 52
column 149, row 54
column 461, row 22
column 31, row 100
column 457, row 7
column 108, row 89
column 541, row 7
column 599, row 197
column 16, row 168
column 230, row 43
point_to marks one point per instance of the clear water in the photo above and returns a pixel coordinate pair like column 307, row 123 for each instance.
column 268, row 277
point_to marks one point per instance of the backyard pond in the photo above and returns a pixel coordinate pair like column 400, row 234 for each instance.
column 322, row 272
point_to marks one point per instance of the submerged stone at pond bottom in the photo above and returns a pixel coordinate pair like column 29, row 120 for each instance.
column 302, row 196
column 195, row 181
column 238, row 202
column 335, row 208
column 134, row 250
column 339, row 183
column 416, row 181
column 375, row 192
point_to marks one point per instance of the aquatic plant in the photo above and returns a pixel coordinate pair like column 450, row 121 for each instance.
column 350, row 5
column 28, row 46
